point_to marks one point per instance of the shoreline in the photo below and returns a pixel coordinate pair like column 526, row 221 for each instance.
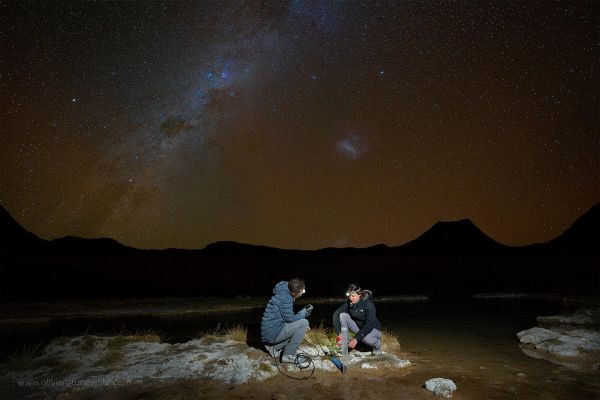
column 43, row 312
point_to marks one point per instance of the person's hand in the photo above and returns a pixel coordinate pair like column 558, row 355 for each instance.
column 353, row 343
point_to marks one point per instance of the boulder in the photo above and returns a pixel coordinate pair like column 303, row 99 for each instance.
column 536, row 335
column 564, row 343
column 441, row 387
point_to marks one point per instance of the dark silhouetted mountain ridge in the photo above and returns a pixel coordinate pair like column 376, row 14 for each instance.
column 454, row 237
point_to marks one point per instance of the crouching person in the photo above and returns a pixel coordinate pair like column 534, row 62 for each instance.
column 281, row 329
column 357, row 313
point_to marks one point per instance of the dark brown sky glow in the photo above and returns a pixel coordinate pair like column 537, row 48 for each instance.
column 300, row 124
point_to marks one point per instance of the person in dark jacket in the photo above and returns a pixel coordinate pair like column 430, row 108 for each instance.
column 280, row 328
column 358, row 314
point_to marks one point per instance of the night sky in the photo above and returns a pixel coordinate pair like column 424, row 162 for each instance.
column 300, row 124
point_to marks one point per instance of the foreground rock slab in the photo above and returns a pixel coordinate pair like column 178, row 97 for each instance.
column 132, row 359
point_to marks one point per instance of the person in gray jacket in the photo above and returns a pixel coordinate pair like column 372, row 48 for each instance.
column 280, row 328
column 358, row 314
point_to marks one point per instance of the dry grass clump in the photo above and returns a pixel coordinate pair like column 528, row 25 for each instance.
column 321, row 335
column 60, row 341
column 64, row 368
column 25, row 358
column 118, row 342
column 389, row 341
column 114, row 353
column 87, row 343
column 31, row 357
column 110, row 359
column 237, row 332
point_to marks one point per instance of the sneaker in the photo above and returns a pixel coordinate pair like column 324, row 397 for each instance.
column 286, row 358
column 376, row 352
column 272, row 352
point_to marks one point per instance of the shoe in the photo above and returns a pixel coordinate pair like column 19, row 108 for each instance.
column 272, row 352
column 286, row 358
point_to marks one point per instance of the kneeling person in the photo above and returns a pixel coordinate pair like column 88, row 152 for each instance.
column 280, row 328
column 358, row 314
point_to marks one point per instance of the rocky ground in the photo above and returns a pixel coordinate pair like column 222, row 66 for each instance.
column 571, row 340
column 76, row 367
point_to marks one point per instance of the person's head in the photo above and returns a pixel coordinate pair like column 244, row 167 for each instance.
column 296, row 287
column 354, row 293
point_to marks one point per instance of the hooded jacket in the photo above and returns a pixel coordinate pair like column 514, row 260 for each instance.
column 279, row 311
column 363, row 313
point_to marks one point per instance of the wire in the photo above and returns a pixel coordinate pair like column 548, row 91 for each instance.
column 302, row 361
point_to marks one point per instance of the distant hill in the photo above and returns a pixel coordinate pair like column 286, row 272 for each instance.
column 450, row 259
column 77, row 245
column 461, row 237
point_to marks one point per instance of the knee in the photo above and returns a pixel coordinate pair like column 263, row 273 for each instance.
column 344, row 317
column 304, row 323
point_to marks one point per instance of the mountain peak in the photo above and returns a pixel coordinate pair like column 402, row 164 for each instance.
column 13, row 236
column 582, row 237
column 454, row 237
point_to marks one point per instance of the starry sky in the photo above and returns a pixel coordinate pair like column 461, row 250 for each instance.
column 300, row 124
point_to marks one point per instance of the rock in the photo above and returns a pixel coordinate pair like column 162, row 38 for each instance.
column 536, row 335
column 570, row 343
column 441, row 387
column 140, row 359
column 571, row 363
column 560, row 343
column 384, row 360
column 580, row 317
column 588, row 340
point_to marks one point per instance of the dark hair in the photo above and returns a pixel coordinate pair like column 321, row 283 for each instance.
column 296, row 285
column 354, row 287
column 363, row 293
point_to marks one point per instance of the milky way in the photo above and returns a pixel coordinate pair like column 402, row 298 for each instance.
column 298, row 124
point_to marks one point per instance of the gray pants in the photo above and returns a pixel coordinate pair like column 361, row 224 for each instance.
column 373, row 339
column 290, row 337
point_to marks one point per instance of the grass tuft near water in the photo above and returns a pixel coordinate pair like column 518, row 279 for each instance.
column 237, row 332
column 114, row 347
column 389, row 341
column 24, row 358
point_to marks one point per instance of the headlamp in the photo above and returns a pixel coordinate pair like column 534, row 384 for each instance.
column 303, row 291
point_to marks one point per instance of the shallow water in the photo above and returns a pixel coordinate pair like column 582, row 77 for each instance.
column 471, row 342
